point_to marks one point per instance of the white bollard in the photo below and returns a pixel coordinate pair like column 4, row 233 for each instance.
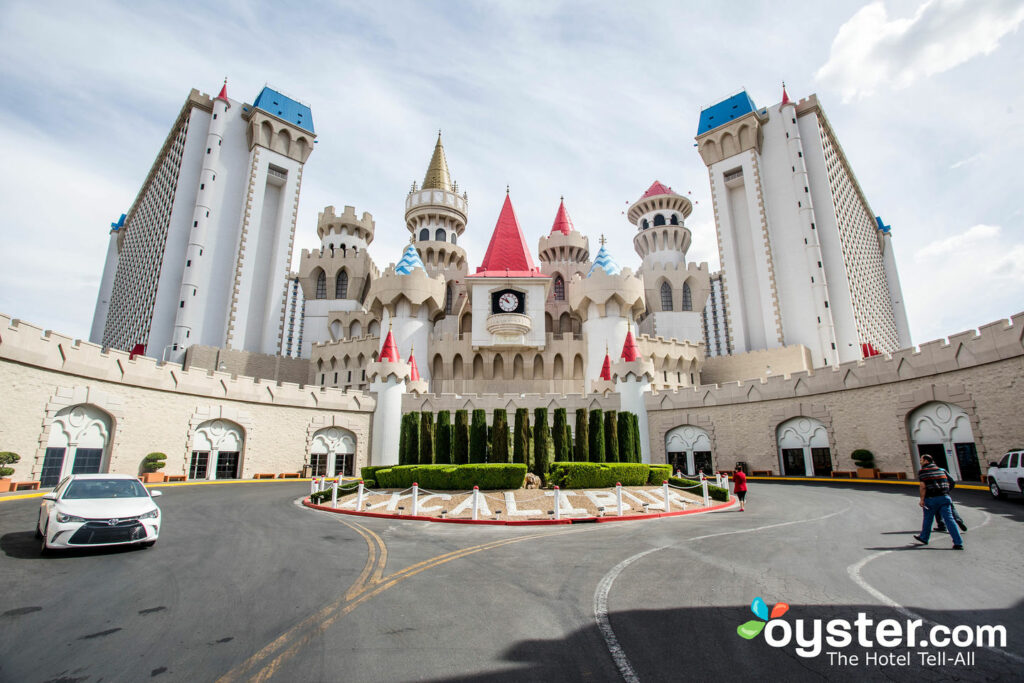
column 704, row 490
column 334, row 494
column 415, row 499
column 359, row 497
column 558, row 501
column 476, row 502
column 618, row 498
column 312, row 486
column 668, row 505
column 718, row 478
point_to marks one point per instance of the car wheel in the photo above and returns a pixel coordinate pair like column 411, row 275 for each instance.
column 1020, row 485
column 44, row 549
column 39, row 524
column 993, row 488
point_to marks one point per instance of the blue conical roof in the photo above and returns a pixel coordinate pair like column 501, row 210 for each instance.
column 605, row 262
column 410, row 261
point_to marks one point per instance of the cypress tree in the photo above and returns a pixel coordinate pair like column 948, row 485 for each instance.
column 478, row 437
column 403, row 437
column 443, row 439
column 611, row 437
column 558, row 436
column 625, row 438
column 460, row 438
column 426, row 438
column 541, row 441
column 529, row 446
column 581, row 453
column 520, row 443
column 637, row 453
column 499, row 436
column 411, row 455
column 596, row 435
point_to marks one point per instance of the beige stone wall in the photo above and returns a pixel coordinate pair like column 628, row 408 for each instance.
column 248, row 364
column 865, row 404
column 782, row 361
column 155, row 407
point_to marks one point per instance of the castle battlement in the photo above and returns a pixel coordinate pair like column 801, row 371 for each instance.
column 27, row 344
column 510, row 402
column 329, row 221
column 675, row 268
column 994, row 342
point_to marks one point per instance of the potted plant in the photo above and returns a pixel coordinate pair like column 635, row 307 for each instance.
column 150, row 466
column 7, row 458
column 865, row 461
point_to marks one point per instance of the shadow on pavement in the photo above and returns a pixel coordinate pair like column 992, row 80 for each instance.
column 23, row 545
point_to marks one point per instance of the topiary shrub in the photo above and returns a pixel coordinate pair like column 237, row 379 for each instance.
column 487, row 476
column 426, row 438
column 863, row 458
column 521, row 436
column 581, row 449
column 625, row 437
column 659, row 474
column 637, row 452
column 541, row 442
column 410, row 454
column 714, row 492
column 8, row 458
column 443, row 439
column 460, row 438
column 578, row 475
column 478, row 437
column 499, row 436
column 558, row 436
column 596, row 436
column 154, row 462
column 611, row 437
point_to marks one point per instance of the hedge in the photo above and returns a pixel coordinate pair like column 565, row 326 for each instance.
column 611, row 438
column 409, row 439
column 460, row 438
column 370, row 472
column 426, row 438
column 478, row 437
column 659, row 474
column 499, row 436
column 625, row 438
column 581, row 451
column 521, row 436
column 596, row 436
column 559, row 433
column 541, row 442
column 715, row 492
column 580, row 475
column 488, row 476
column 443, row 439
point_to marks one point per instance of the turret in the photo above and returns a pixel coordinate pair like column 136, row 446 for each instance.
column 388, row 376
column 436, row 215
column 99, row 317
column 892, row 279
column 563, row 253
column 633, row 376
column 608, row 300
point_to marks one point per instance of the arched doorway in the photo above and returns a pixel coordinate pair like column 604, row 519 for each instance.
column 943, row 430
column 688, row 450
column 217, row 450
column 79, row 443
column 333, row 451
column 803, row 448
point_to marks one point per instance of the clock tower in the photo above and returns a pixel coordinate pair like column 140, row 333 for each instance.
column 508, row 291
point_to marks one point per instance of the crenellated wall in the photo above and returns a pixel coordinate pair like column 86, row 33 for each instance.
column 510, row 402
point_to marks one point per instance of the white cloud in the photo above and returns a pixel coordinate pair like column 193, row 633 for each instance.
column 969, row 160
column 872, row 50
column 972, row 238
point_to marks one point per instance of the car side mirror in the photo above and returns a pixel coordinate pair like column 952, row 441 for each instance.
column 993, row 464
column 50, row 496
column 154, row 494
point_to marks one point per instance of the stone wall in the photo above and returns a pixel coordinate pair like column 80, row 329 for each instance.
column 783, row 361
column 249, row 364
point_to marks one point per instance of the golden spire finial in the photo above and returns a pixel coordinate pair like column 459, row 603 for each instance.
column 506, row 189
column 412, row 238
column 437, row 177
column 602, row 240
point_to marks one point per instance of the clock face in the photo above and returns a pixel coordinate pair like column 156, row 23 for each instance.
column 508, row 302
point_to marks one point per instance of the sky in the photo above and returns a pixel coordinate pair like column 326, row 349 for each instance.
column 592, row 101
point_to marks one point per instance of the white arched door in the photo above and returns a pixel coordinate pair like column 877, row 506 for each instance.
column 78, row 444
column 217, row 450
column 688, row 449
column 333, row 451
column 943, row 431
column 803, row 448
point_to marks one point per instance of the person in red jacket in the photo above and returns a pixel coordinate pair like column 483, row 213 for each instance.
column 739, row 486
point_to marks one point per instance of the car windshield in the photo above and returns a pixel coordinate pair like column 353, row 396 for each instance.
column 105, row 488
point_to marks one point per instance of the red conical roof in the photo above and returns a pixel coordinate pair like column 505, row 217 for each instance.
column 389, row 352
column 630, row 352
column 223, row 92
column 785, row 95
column 606, row 369
column 563, row 223
column 415, row 372
column 507, row 254
column 657, row 188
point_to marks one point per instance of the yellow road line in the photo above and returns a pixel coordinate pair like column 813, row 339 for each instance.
column 214, row 482
column 843, row 480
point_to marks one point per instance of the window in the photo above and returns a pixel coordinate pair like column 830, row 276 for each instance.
column 202, row 186
column 687, row 297
column 441, row 235
column 666, row 297
column 321, row 285
column 644, row 225
column 341, row 285
column 208, row 150
column 195, row 224
column 559, row 288
column 674, row 220
column 424, row 235
column 181, row 304
column 188, row 264
column 448, row 299
column 659, row 220
column 453, row 238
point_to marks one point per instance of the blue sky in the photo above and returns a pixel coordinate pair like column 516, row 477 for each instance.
column 592, row 101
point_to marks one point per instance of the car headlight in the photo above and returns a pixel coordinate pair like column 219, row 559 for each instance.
column 62, row 518
column 152, row 514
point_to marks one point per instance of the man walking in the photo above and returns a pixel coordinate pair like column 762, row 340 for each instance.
column 936, row 502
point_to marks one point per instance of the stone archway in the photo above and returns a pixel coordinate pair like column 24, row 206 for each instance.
column 217, row 450
column 943, row 431
column 332, row 452
column 79, row 443
column 804, row 448
column 688, row 448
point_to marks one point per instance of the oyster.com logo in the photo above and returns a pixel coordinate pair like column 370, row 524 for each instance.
column 753, row 628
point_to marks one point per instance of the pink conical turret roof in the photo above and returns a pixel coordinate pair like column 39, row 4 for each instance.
column 389, row 352
column 630, row 352
column 657, row 188
column 606, row 369
column 223, row 92
column 507, row 254
column 785, row 95
column 415, row 371
column 563, row 223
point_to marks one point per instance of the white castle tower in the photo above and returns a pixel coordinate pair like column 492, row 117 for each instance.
column 388, row 375
column 99, row 316
column 633, row 376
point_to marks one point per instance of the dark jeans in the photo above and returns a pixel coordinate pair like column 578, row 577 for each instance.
column 939, row 526
column 940, row 506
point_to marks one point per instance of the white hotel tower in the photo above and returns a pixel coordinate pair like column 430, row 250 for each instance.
column 804, row 259
column 204, row 253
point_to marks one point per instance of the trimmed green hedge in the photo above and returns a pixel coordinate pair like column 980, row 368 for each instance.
column 659, row 474
column 488, row 476
column 325, row 495
column 368, row 473
column 583, row 475
column 715, row 492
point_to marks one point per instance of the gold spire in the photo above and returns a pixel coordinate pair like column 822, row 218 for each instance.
column 437, row 177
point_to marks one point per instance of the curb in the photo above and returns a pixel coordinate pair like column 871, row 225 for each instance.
column 522, row 522
column 215, row 482
column 834, row 480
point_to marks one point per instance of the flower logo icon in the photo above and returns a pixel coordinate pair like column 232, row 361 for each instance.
column 753, row 627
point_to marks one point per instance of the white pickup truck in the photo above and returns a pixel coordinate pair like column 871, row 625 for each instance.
column 1007, row 476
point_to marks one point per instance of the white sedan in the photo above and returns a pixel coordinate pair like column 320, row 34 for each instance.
column 89, row 510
